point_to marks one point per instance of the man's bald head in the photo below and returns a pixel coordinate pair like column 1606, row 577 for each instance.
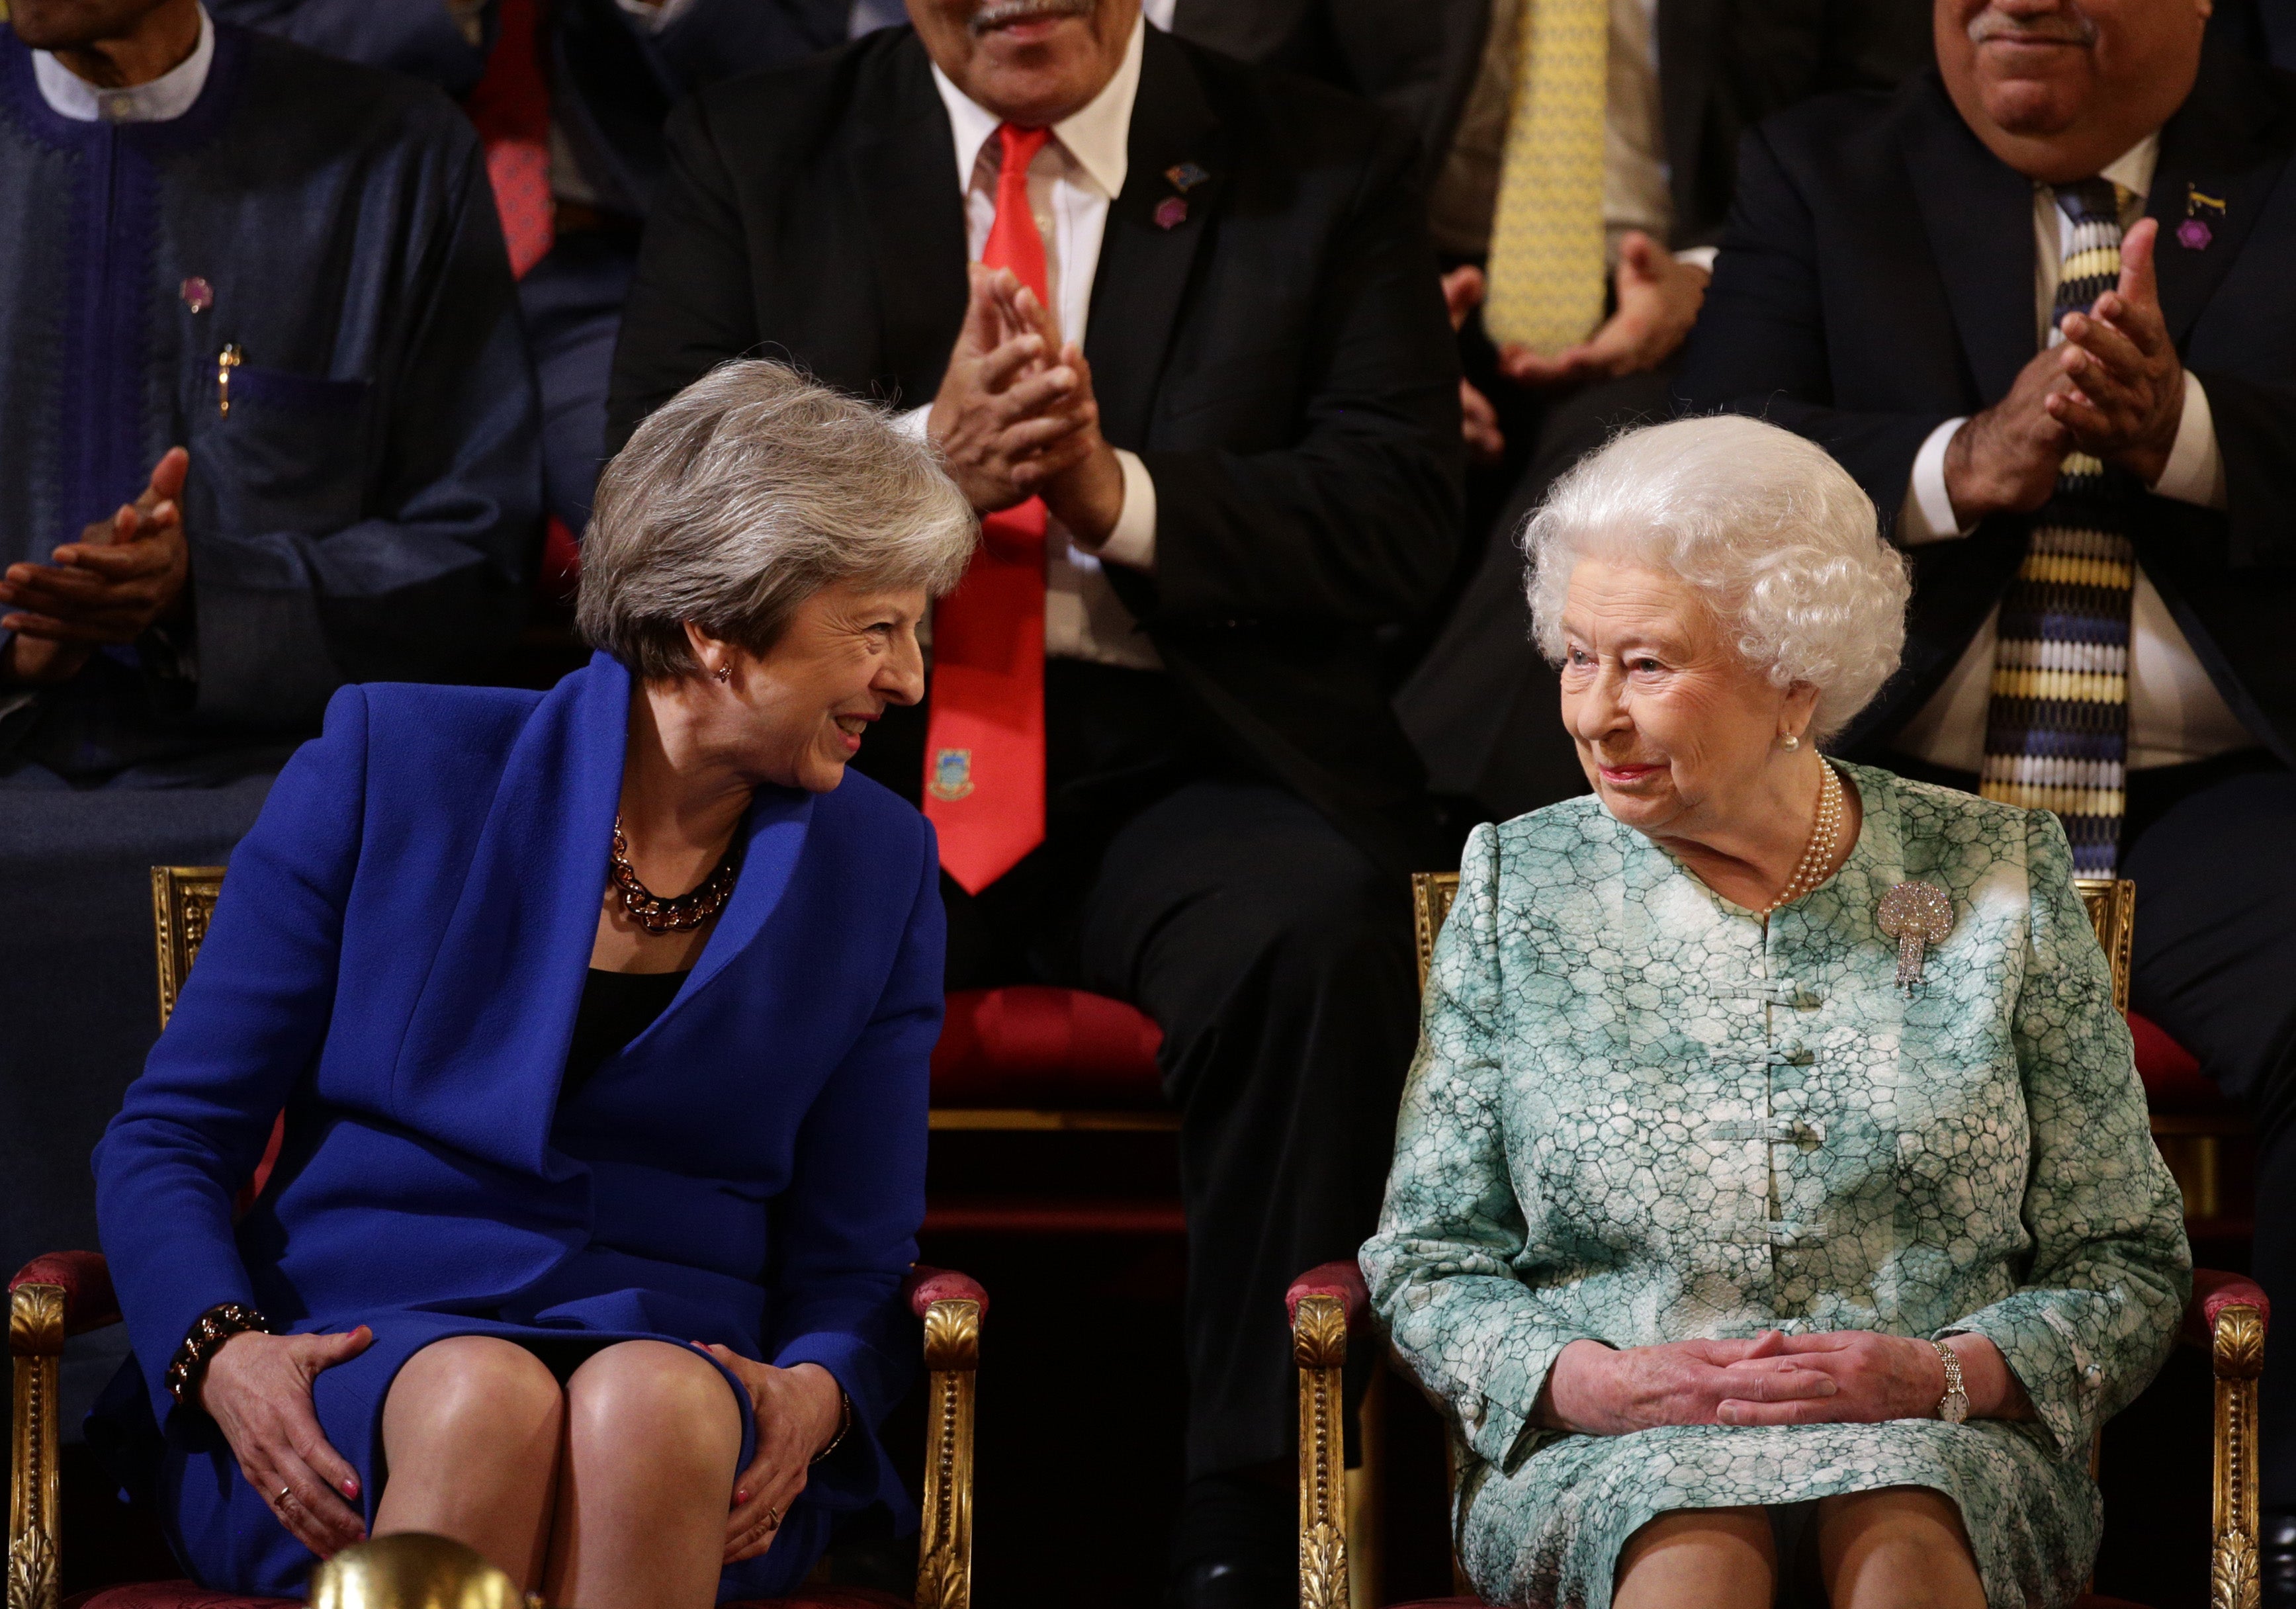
column 2059, row 88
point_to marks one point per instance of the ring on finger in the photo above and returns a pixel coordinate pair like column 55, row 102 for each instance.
column 773, row 1518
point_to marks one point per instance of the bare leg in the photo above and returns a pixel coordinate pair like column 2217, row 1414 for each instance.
column 652, row 1433
column 1899, row 1548
column 470, row 1433
column 1699, row 1558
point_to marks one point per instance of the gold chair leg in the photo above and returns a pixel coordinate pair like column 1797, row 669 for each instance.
column 1319, row 1346
column 1367, row 1497
column 944, row 1550
column 36, row 1341
column 2239, row 1358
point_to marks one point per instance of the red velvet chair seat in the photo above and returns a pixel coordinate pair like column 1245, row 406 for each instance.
column 1034, row 1046
column 2174, row 1082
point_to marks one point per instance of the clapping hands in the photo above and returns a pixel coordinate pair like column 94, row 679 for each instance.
column 1016, row 416
column 2114, row 389
column 123, row 575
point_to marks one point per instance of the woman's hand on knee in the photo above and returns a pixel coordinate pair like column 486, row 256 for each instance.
column 258, row 1388
column 798, row 1411
column 1596, row 1390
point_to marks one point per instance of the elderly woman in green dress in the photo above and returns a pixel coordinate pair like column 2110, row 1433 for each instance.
column 1774, row 1213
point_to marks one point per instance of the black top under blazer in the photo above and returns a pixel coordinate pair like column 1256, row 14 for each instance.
column 1877, row 280
column 1280, row 359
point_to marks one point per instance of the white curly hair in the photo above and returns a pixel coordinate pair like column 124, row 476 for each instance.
column 1765, row 526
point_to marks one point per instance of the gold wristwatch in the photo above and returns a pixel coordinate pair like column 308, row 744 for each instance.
column 1953, row 1407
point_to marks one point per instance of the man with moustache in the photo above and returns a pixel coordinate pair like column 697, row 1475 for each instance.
column 2037, row 303
column 1173, row 322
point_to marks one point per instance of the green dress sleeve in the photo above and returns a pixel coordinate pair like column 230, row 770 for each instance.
column 2109, row 1269
column 1448, row 1269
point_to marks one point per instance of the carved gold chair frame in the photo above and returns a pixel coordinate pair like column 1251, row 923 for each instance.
column 39, row 1317
column 2234, row 1337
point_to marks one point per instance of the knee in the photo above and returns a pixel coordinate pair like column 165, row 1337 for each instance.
column 474, row 1390
column 1897, row 1546
column 1714, row 1556
column 652, row 1394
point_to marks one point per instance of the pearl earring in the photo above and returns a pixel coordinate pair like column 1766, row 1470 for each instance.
column 1790, row 743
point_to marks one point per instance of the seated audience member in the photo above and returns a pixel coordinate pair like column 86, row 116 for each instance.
column 1589, row 188
column 570, row 103
column 1199, row 381
column 600, row 1018
column 274, row 426
column 1770, row 1109
column 2037, row 305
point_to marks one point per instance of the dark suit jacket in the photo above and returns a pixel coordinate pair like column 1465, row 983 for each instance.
column 1877, row 280
column 1280, row 360
column 1725, row 65
column 1416, row 60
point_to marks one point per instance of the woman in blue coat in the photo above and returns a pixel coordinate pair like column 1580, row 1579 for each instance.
column 600, row 1019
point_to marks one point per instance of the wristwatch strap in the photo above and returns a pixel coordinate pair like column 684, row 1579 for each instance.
column 1953, row 1407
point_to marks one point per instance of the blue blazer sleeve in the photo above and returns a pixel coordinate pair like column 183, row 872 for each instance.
column 249, row 1022
column 845, row 1231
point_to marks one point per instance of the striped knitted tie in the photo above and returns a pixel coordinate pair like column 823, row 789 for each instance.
column 1547, row 278
column 2056, row 732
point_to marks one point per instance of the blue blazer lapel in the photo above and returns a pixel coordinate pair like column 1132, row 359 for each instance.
column 775, row 829
column 487, row 1042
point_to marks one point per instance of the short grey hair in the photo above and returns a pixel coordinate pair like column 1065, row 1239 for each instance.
column 744, row 494
column 1764, row 525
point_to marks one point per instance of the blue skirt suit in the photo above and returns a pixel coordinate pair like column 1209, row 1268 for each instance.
column 396, row 961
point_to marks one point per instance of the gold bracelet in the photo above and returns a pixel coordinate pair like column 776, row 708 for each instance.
column 844, row 1423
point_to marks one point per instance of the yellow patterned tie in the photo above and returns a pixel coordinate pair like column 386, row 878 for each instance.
column 1546, row 279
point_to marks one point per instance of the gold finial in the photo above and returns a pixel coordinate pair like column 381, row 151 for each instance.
column 411, row 1570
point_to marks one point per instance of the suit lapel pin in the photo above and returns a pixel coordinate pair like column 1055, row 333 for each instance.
column 1185, row 176
column 199, row 295
column 1171, row 212
column 2194, row 234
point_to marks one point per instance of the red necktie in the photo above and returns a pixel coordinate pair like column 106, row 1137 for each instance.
column 985, row 739
column 511, row 106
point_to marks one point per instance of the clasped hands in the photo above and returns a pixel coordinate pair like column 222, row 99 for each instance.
column 1841, row 1376
column 1016, row 417
column 124, row 576
column 2114, row 389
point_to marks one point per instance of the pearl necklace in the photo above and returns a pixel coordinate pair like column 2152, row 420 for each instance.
column 1818, row 859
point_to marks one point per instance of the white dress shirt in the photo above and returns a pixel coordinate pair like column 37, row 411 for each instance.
column 1075, row 176
column 163, row 99
column 2176, row 715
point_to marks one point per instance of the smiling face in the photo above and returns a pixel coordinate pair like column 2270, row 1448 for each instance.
column 1675, row 730
column 804, row 706
column 2059, row 88
column 1032, row 62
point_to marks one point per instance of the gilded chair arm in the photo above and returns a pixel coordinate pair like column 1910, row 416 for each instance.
column 2228, row 1315
column 1342, row 1281
column 926, row 1285
column 951, row 1307
column 1326, row 1304
column 87, row 1302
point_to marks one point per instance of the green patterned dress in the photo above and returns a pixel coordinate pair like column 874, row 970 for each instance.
column 1638, row 1115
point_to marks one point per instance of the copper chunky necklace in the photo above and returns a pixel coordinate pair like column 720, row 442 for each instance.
column 682, row 914
column 1817, row 858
